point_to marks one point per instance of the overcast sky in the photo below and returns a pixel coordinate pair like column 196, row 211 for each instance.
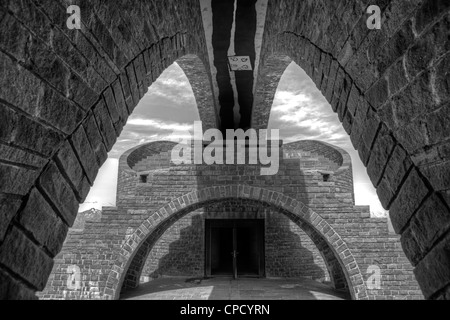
column 299, row 110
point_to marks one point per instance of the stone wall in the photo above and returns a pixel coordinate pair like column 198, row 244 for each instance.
column 368, row 240
column 290, row 253
column 179, row 251
column 65, row 96
column 389, row 88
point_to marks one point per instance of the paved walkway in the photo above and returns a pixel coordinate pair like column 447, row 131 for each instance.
column 228, row 289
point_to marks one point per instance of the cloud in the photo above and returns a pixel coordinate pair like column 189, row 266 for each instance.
column 175, row 79
column 301, row 112
column 103, row 192
column 161, row 125
column 139, row 131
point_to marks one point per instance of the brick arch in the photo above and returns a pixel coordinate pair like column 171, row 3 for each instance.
column 134, row 270
column 391, row 94
column 269, row 76
column 200, row 79
column 65, row 97
column 134, row 251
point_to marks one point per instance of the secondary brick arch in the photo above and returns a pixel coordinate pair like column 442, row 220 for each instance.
column 134, row 251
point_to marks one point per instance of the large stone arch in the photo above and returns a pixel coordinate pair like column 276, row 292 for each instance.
column 134, row 251
column 391, row 94
column 65, row 96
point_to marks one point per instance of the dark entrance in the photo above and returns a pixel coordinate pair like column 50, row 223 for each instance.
column 235, row 248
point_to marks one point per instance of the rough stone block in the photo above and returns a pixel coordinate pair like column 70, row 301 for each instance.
column 139, row 67
column 60, row 193
column 385, row 193
column 8, row 208
column 428, row 12
column 95, row 139
column 430, row 222
column 11, row 175
column 21, row 255
column 23, row 132
column 442, row 79
column 134, row 87
column 358, row 126
column 396, row 77
column 127, row 92
column 24, row 90
column 411, row 194
column 343, row 99
column 105, row 125
column 120, row 101
column 412, row 136
column 15, row 155
column 433, row 271
column 338, row 86
column 110, row 103
column 43, row 223
column 378, row 93
column 386, row 114
column 85, row 153
column 395, row 47
column 11, row 289
column 415, row 100
column 354, row 100
column 382, row 149
column 438, row 174
column 68, row 161
column 397, row 167
column 371, row 126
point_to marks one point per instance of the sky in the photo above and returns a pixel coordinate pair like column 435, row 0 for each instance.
column 299, row 111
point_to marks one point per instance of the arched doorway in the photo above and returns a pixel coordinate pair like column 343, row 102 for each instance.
column 127, row 268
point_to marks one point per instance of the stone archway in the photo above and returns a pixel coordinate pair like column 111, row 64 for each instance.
column 64, row 102
column 378, row 82
column 134, row 251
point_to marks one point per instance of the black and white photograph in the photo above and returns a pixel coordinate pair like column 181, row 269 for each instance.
column 231, row 156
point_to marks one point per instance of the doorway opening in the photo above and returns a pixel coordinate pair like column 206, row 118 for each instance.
column 235, row 248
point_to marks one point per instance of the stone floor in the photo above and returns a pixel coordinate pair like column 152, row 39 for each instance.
column 229, row 289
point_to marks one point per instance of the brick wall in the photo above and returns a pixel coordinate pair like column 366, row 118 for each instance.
column 179, row 251
column 293, row 246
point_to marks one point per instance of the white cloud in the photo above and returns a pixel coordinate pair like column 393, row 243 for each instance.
column 302, row 113
column 103, row 192
column 175, row 79
column 158, row 124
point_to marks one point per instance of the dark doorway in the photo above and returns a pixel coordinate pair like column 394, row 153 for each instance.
column 235, row 248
